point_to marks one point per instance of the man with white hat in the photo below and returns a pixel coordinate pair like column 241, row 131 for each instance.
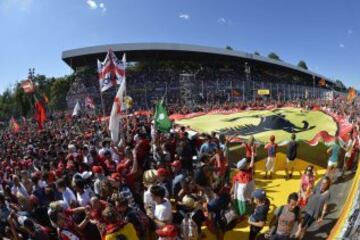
column 243, row 186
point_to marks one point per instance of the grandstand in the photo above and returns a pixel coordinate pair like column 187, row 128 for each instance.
column 216, row 75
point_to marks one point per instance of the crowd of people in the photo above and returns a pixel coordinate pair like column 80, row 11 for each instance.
column 69, row 181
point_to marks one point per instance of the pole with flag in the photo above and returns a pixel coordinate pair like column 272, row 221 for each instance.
column 28, row 86
column 40, row 112
column 116, row 115
column 111, row 73
column 161, row 118
column 77, row 108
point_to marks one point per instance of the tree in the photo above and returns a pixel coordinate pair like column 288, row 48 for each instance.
column 58, row 92
column 302, row 64
column 274, row 56
column 256, row 53
column 340, row 84
column 229, row 47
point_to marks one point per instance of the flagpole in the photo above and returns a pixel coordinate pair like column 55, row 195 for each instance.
column 102, row 103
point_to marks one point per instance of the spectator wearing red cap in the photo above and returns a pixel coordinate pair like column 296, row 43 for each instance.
column 99, row 176
column 178, row 176
column 164, row 181
column 109, row 162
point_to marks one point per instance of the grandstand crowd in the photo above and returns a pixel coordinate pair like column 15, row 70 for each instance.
column 69, row 181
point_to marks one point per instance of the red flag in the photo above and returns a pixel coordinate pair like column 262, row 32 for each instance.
column 14, row 126
column 28, row 86
column 351, row 94
column 40, row 113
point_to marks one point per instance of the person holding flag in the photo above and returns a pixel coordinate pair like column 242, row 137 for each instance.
column 161, row 118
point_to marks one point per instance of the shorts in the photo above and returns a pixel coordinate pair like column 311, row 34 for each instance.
column 290, row 163
column 332, row 164
column 270, row 164
column 307, row 220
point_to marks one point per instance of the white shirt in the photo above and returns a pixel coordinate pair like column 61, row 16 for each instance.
column 102, row 151
column 21, row 189
column 148, row 200
column 349, row 148
column 68, row 196
column 84, row 198
column 163, row 211
column 97, row 184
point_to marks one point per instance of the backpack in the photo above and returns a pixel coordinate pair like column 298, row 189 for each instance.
column 228, row 218
column 189, row 229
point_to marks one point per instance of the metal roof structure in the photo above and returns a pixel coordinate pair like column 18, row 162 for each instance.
column 173, row 51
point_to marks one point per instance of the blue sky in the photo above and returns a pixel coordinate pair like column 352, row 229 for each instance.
column 324, row 33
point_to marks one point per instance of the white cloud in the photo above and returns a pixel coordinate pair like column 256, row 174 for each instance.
column 341, row 45
column 92, row 4
column 102, row 6
column 221, row 20
column 350, row 31
column 22, row 5
column 184, row 16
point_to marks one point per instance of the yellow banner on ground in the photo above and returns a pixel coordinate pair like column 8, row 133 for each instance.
column 263, row 92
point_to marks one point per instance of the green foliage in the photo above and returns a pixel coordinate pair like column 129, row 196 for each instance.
column 302, row 64
column 14, row 102
column 58, row 91
column 228, row 47
column 256, row 53
column 274, row 56
column 340, row 84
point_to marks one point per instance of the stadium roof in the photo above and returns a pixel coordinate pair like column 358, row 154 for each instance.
column 140, row 51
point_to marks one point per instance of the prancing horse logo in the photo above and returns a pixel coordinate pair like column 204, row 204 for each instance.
column 267, row 123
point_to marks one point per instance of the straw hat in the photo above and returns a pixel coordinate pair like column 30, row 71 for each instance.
column 149, row 177
column 188, row 202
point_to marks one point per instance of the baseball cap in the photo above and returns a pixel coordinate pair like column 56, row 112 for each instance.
column 241, row 164
column 96, row 169
column 259, row 194
column 162, row 172
column 115, row 177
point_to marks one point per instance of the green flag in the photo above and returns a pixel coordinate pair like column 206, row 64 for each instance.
column 161, row 118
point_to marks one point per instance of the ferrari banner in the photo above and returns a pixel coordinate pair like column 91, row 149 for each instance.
column 263, row 92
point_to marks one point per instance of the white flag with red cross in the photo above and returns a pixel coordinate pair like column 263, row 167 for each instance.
column 111, row 71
